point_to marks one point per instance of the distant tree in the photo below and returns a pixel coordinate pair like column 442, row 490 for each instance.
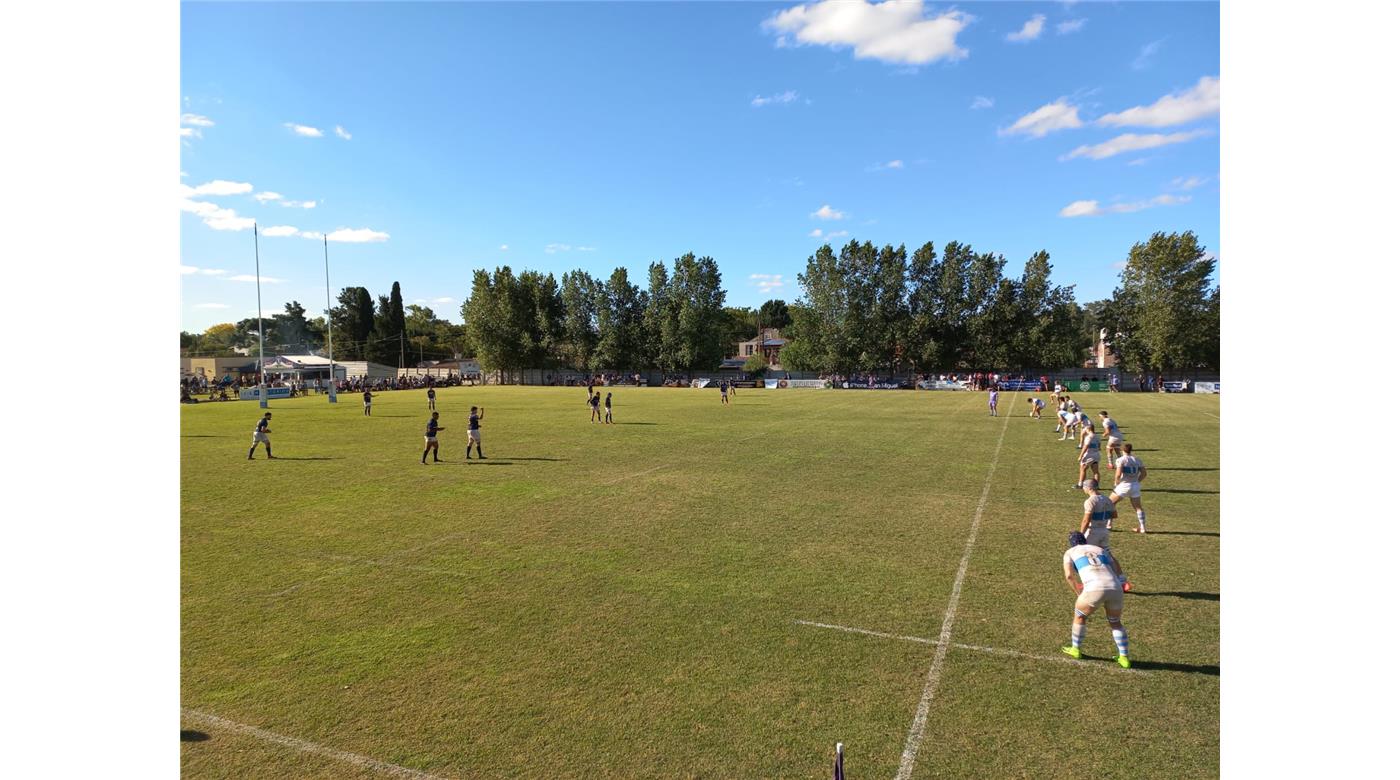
column 756, row 363
column 698, row 296
column 578, row 295
column 292, row 330
column 659, row 320
column 620, row 309
column 1165, row 305
column 774, row 314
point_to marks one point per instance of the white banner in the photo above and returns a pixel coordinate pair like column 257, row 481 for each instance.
column 251, row 393
column 1208, row 387
column 940, row 384
column 697, row 383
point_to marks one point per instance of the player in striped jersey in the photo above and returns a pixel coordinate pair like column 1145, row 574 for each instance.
column 1128, row 474
column 1098, row 584
column 1088, row 452
column 1036, row 406
column 1099, row 514
column 1114, row 443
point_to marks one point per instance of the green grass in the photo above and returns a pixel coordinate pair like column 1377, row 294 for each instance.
column 620, row 601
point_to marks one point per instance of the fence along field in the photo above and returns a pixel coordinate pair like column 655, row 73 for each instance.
column 697, row 591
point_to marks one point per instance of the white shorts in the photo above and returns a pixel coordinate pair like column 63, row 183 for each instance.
column 366, row 404
column 430, row 440
column 259, row 436
column 1129, row 489
column 1115, row 441
column 474, row 435
column 1098, row 537
column 1092, row 457
column 1090, row 600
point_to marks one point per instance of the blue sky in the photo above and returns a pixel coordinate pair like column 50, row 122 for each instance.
column 592, row 135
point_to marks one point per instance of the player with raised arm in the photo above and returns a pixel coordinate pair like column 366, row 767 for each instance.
column 369, row 397
column 1128, row 474
column 430, row 441
column 1036, row 406
column 1088, row 453
column 1113, row 435
column 992, row 401
column 1099, row 515
column 260, row 435
column 474, row 432
column 1098, row 584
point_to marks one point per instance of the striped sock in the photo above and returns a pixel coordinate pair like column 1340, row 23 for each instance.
column 1120, row 638
column 1142, row 519
column 1076, row 634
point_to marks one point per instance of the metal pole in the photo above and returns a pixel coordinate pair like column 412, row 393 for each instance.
column 257, row 269
column 330, row 346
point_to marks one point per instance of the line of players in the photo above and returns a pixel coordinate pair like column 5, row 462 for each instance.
column 1100, row 576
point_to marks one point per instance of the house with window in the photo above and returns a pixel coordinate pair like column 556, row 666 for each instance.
column 770, row 342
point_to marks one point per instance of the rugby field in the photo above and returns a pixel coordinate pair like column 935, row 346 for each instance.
column 697, row 591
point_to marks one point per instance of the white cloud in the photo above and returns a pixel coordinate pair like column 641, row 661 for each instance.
column 226, row 219
column 780, row 98
column 316, row 234
column 766, row 282
column 1029, row 31
column 190, row 132
column 198, row 207
column 816, row 233
column 277, row 231
column 263, row 197
column 980, row 102
column 550, row 249
column 1050, row 117
column 505, row 247
column 1188, row 182
column 188, row 269
column 212, row 306
column 586, row 248
column 1091, row 208
column 299, row 204
column 252, row 278
column 212, row 271
column 1131, row 142
column 356, row 236
column 1070, row 26
column 303, row 130
column 444, row 300
column 1146, row 53
column 195, row 120
column 894, row 32
column 828, row 213
column 183, row 174
column 220, row 187
column 342, row 132
column 1139, row 161
column 1178, row 108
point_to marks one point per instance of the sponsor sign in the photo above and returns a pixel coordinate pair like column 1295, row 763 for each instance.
column 940, row 384
column 1208, row 387
column 1094, row 386
column 251, row 393
column 858, row 385
column 698, row 383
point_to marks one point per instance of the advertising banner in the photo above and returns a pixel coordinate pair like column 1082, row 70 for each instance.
column 1094, row 386
column 251, row 393
column 940, row 384
column 881, row 385
column 698, row 383
column 1208, row 387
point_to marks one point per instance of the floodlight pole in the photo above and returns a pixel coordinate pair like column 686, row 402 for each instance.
column 257, row 270
column 330, row 347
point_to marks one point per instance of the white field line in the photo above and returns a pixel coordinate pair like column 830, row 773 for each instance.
column 364, row 762
column 992, row 650
column 945, row 635
column 1208, row 414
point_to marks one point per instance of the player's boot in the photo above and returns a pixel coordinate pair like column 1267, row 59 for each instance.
column 1124, row 662
column 1072, row 652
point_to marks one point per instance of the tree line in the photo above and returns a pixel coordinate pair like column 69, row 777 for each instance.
column 863, row 308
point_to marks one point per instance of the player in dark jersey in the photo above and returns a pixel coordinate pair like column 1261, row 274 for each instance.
column 430, row 441
column 474, row 432
column 607, row 410
column 260, row 435
column 432, row 399
column 724, row 392
column 594, row 415
column 368, row 398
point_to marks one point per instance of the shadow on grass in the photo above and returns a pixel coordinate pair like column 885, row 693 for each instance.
column 187, row 735
column 636, row 423
column 1190, row 595
column 548, row 460
column 479, row 462
column 1167, row 666
column 1183, row 533
column 1171, row 468
column 1182, row 490
column 285, row 457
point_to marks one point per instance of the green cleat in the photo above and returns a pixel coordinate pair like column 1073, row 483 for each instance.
column 1072, row 652
column 1124, row 662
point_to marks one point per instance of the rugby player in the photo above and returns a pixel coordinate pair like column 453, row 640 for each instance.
column 1099, row 514
column 1098, row 584
column 1088, row 453
column 607, row 410
column 260, row 435
column 1114, row 436
column 430, row 441
column 992, row 401
column 368, row 397
column 474, row 432
column 1036, row 406
column 1128, row 474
